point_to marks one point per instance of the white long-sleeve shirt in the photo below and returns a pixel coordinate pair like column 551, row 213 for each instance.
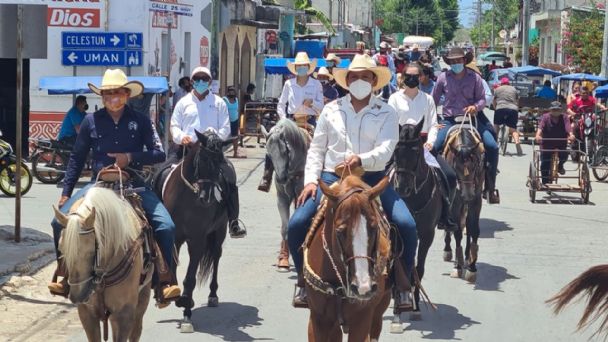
column 294, row 95
column 413, row 110
column 370, row 134
column 191, row 114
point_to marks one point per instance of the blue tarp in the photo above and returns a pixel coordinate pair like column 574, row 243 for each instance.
column 601, row 92
column 279, row 65
column 531, row 70
column 314, row 48
column 580, row 77
column 57, row 85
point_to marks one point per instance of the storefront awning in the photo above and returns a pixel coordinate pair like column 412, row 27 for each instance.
column 57, row 85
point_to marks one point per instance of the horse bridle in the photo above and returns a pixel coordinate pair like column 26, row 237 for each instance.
column 476, row 169
column 198, row 180
column 97, row 274
column 412, row 172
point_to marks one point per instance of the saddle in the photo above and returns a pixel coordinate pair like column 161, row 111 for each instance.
column 451, row 135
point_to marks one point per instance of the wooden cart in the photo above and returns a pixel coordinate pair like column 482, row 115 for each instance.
column 256, row 114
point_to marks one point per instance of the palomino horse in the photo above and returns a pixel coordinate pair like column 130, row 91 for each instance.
column 286, row 145
column 420, row 187
column 345, row 264
column 464, row 151
column 192, row 194
column 594, row 284
column 102, row 232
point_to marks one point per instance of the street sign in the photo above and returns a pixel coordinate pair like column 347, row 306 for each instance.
column 502, row 34
column 101, row 57
column 179, row 9
column 102, row 40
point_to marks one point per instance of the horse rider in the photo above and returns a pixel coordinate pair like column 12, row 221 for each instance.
column 201, row 110
column 118, row 135
column 463, row 93
column 412, row 105
column 357, row 130
column 301, row 95
column 333, row 61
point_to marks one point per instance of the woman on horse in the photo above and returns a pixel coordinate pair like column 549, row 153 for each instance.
column 412, row 105
column 201, row 111
column 119, row 136
column 301, row 95
column 357, row 130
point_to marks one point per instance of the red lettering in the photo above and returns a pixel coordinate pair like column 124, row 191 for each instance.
column 73, row 17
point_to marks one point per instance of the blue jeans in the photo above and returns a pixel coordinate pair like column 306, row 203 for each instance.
column 396, row 211
column 488, row 136
column 156, row 213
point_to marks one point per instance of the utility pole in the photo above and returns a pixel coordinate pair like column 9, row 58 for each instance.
column 492, row 32
column 479, row 38
column 525, row 40
column 605, row 46
column 170, row 19
column 417, row 15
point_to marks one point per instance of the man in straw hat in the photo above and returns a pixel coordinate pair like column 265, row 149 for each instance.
column 329, row 91
column 301, row 95
column 201, row 110
column 119, row 136
column 463, row 93
column 333, row 61
column 357, row 130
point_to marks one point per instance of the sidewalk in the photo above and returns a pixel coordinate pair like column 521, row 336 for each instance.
column 35, row 251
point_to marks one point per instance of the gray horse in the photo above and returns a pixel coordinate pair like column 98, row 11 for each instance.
column 286, row 145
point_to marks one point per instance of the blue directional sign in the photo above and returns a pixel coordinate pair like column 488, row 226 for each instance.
column 102, row 57
column 102, row 40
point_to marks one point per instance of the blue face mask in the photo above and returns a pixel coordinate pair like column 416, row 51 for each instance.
column 330, row 64
column 201, row 86
column 457, row 68
column 302, row 70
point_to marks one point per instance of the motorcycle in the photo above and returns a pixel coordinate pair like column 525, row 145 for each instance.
column 585, row 132
column 8, row 171
column 50, row 160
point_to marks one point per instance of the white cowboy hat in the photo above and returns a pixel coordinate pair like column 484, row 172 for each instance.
column 323, row 71
column 116, row 79
column 385, row 45
column 333, row 57
column 199, row 70
column 361, row 63
column 302, row 59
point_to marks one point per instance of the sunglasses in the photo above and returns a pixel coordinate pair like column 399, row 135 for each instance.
column 201, row 78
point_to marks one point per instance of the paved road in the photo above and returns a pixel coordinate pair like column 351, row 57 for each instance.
column 527, row 253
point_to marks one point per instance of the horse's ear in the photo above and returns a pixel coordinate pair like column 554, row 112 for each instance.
column 61, row 217
column 89, row 222
column 419, row 127
column 201, row 137
column 378, row 189
column 229, row 141
column 327, row 191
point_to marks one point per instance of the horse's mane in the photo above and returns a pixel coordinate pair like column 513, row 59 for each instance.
column 116, row 225
column 593, row 283
column 292, row 134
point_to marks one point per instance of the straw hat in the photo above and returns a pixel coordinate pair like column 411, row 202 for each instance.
column 116, row 79
column 302, row 59
column 333, row 57
column 361, row 63
column 473, row 66
column 324, row 72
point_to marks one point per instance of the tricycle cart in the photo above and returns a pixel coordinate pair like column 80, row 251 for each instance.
column 256, row 114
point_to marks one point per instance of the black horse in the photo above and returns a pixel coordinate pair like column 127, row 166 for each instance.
column 420, row 187
column 194, row 197
column 464, row 151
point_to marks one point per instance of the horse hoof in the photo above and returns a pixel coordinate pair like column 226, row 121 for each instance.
column 186, row 328
column 213, row 302
column 447, row 256
column 396, row 328
column 415, row 316
column 470, row 276
column 184, row 302
column 456, row 273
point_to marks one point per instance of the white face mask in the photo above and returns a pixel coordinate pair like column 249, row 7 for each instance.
column 360, row 89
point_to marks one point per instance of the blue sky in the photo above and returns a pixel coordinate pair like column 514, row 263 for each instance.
column 466, row 13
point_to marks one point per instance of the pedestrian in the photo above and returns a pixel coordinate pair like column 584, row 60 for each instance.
column 249, row 94
column 119, row 136
column 302, row 95
column 203, row 111
column 554, row 133
column 329, row 91
column 426, row 81
column 463, row 93
column 546, row 92
column 184, row 87
column 384, row 51
column 507, row 63
column 493, row 66
column 357, row 130
column 415, row 54
column 506, row 110
column 70, row 126
column 232, row 104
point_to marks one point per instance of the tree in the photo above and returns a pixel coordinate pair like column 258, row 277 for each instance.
column 306, row 6
column 582, row 41
column 506, row 14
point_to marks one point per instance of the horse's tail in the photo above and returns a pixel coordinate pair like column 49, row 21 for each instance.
column 594, row 284
column 211, row 252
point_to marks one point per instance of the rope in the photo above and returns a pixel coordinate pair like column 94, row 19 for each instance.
column 194, row 187
column 425, row 296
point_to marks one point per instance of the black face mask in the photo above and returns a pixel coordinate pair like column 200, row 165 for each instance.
column 411, row 81
column 86, row 107
column 231, row 96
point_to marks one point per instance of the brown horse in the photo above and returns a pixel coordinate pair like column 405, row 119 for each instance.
column 594, row 284
column 102, row 246
column 345, row 264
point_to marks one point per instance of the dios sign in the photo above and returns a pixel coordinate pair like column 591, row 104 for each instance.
column 74, row 17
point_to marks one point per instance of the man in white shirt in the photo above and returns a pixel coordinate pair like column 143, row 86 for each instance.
column 355, row 130
column 203, row 111
column 413, row 105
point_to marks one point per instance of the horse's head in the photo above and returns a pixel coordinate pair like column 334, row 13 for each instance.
column 466, row 156
column 79, row 250
column 287, row 149
column 356, row 240
column 204, row 163
column 409, row 155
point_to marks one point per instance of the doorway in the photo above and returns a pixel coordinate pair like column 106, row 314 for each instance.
column 245, row 66
column 8, row 102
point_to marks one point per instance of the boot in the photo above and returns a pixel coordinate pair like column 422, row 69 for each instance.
column 445, row 221
column 61, row 288
column 236, row 231
column 300, row 298
column 493, row 196
column 403, row 301
column 267, row 177
column 283, row 263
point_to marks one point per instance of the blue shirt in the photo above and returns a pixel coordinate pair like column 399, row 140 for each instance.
column 72, row 119
column 427, row 88
column 99, row 133
column 233, row 109
column 329, row 92
column 547, row 93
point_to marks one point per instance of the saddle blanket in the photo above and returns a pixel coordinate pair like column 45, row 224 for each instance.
column 173, row 167
column 430, row 159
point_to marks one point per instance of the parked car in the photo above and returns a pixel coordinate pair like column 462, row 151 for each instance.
column 492, row 56
column 523, row 84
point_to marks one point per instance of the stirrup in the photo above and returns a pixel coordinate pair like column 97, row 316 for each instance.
column 297, row 301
